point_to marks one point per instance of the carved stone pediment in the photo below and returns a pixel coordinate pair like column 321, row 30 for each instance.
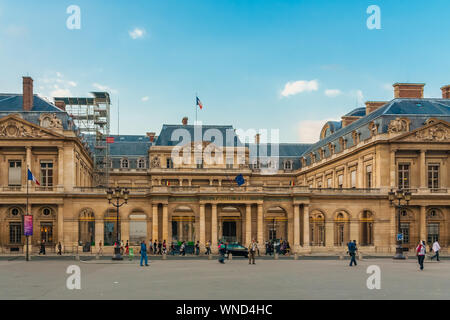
column 434, row 132
column 155, row 162
column 399, row 125
column 14, row 127
column 50, row 121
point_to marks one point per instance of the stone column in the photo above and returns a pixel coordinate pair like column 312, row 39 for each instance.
column 155, row 222
column 296, row 227
column 214, row 228
column 423, row 170
column 248, row 224
column 260, row 231
column 392, row 168
column 354, row 230
column 306, row 238
column 329, row 233
column 165, row 226
column 99, row 232
column 423, row 223
column 60, row 167
column 202, row 226
column 360, row 173
column 61, row 224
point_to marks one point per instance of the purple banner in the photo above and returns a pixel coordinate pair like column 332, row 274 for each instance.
column 28, row 225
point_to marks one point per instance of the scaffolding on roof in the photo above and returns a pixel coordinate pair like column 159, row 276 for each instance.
column 92, row 117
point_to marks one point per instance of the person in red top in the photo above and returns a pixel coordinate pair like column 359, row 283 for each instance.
column 420, row 252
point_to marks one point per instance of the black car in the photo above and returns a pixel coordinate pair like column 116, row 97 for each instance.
column 236, row 249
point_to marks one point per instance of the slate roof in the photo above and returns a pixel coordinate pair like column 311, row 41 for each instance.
column 130, row 145
column 14, row 102
column 186, row 132
column 417, row 110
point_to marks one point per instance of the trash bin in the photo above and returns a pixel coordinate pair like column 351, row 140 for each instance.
column 130, row 254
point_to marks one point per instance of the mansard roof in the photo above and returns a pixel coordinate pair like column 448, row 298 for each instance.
column 14, row 102
column 169, row 131
column 417, row 110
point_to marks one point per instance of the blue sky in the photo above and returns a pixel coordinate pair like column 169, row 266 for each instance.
column 238, row 55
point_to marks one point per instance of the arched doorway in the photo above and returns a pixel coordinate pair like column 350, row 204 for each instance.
column 86, row 227
column 341, row 228
column 138, row 227
column 110, row 227
column 230, row 224
column 276, row 224
column 317, row 228
column 435, row 226
column 366, row 221
column 183, row 225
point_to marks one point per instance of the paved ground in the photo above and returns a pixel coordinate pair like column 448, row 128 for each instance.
column 204, row 279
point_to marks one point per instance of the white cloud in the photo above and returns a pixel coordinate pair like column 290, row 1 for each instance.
column 360, row 97
column 332, row 92
column 137, row 33
column 54, row 85
column 292, row 88
column 144, row 98
column 104, row 88
column 72, row 83
column 309, row 130
column 58, row 92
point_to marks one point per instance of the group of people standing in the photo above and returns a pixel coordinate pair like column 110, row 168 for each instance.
column 283, row 248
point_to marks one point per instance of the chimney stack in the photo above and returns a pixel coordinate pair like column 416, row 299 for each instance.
column 151, row 136
column 446, row 92
column 257, row 138
column 27, row 94
column 408, row 90
column 185, row 121
column 61, row 105
column 371, row 106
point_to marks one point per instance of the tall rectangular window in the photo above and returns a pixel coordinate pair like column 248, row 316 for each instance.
column 403, row 176
column 15, row 232
column 433, row 176
column 329, row 183
column 15, row 173
column 353, row 178
column 404, row 230
column 229, row 163
column 432, row 232
column 341, row 181
column 46, row 173
column 369, row 177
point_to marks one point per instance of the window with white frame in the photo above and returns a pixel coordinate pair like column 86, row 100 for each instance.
column 433, row 176
column 341, row 181
column 141, row 163
column 353, row 178
column 124, row 163
column 287, row 165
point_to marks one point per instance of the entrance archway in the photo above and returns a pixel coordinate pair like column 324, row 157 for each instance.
column 230, row 224
column 183, row 225
column 276, row 224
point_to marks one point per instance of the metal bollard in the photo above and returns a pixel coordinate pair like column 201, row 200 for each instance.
column 210, row 257
column 296, row 256
column 230, row 256
column 275, row 256
column 164, row 256
column 97, row 257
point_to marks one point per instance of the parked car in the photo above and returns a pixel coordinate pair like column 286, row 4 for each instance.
column 236, row 249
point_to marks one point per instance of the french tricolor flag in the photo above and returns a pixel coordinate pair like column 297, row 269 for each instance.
column 32, row 178
column 199, row 103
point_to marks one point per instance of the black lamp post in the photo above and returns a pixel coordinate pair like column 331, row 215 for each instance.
column 399, row 195
column 117, row 194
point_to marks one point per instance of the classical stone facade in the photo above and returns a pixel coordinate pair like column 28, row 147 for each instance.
column 316, row 196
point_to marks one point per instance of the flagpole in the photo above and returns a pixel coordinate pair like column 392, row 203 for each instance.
column 196, row 97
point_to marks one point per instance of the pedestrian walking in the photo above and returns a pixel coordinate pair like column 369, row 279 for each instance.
column 159, row 247
column 100, row 248
column 182, row 249
column 155, row 247
column 288, row 248
column 197, row 248
column 60, row 249
column 143, row 253
column 257, row 248
column 436, row 248
column 352, row 252
column 150, row 247
column 164, row 247
column 252, row 249
column 208, row 248
column 420, row 252
column 127, row 249
column 172, row 249
column 222, row 251
column 42, row 249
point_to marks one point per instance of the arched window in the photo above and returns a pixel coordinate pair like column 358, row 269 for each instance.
column 342, row 229
column 366, row 228
column 124, row 163
column 434, row 221
column 317, row 229
column 86, row 227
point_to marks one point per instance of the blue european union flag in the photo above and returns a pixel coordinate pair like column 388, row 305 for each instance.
column 240, row 180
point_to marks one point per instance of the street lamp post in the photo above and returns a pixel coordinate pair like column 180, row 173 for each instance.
column 399, row 195
column 117, row 194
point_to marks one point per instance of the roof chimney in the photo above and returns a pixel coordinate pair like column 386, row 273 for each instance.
column 61, row 105
column 184, row 121
column 371, row 106
column 347, row 120
column 257, row 138
column 446, row 92
column 27, row 94
column 408, row 90
column 151, row 136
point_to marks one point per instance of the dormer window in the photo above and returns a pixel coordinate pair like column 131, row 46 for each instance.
column 342, row 143
column 141, row 163
column 288, row 165
column 332, row 148
column 355, row 137
column 124, row 163
column 169, row 163
column 313, row 157
column 322, row 153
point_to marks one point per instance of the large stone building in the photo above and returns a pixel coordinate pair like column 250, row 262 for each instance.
column 182, row 181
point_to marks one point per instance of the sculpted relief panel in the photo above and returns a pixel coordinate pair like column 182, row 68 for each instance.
column 398, row 125
column 439, row 132
column 51, row 121
column 14, row 129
